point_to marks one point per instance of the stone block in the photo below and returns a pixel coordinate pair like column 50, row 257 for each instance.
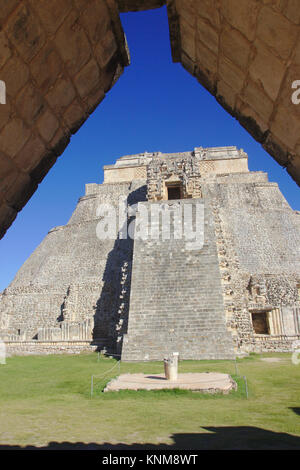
column 96, row 20
column 286, row 126
column 88, row 79
column 60, row 141
column 5, row 52
column 112, row 73
column 187, row 12
column 188, row 63
column 61, row 95
column 7, row 216
column 15, row 74
column 232, row 75
column 241, row 14
column 72, row 44
column 208, row 9
column 106, row 48
column 255, row 96
column 94, row 99
column 46, row 67
column 80, row 4
column 31, row 154
column 21, row 191
column 206, row 60
column 276, row 31
column 25, row 32
column 7, row 6
column 188, row 40
column 5, row 113
column 8, row 172
column 251, row 120
column 12, row 138
column 267, row 69
column 74, row 116
column 51, row 14
column 207, row 34
column 30, row 104
column 235, row 47
column 292, row 11
column 277, row 149
column 47, row 125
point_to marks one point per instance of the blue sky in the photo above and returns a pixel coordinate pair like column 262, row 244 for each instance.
column 155, row 106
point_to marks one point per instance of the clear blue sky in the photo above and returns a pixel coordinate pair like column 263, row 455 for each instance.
column 155, row 106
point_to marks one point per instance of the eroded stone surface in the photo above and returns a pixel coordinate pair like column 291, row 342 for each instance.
column 246, row 53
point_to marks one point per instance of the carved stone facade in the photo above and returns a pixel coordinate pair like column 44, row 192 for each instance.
column 141, row 296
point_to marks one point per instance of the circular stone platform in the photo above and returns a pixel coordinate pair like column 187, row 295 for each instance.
column 209, row 382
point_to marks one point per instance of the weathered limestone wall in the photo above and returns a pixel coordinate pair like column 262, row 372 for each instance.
column 258, row 237
column 58, row 59
column 113, row 175
column 247, row 54
column 223, row 166
column 74, row 277
column 19, row 348
column 128, row 168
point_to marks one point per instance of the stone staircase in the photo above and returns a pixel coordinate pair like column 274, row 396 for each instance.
column 176, row 301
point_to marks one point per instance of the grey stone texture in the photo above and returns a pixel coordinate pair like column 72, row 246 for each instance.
column 176, row 301
column 72, row 278
column 147, row 297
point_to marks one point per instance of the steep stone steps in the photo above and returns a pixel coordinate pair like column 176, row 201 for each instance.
column 176, row 301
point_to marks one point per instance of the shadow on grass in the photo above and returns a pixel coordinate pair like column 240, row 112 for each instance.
column 295, row 410
column 221, row 438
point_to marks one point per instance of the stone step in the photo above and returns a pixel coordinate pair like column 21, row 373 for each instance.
column 176, row 300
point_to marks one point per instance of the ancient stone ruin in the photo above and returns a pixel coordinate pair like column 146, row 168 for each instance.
column 58, row 59
column 187, row 252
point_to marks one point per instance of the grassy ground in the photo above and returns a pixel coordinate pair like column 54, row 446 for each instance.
column 45, row 402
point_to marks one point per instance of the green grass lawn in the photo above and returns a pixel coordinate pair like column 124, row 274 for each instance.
column 46, row 399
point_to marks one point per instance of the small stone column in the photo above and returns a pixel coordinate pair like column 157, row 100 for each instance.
column 171, row 367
